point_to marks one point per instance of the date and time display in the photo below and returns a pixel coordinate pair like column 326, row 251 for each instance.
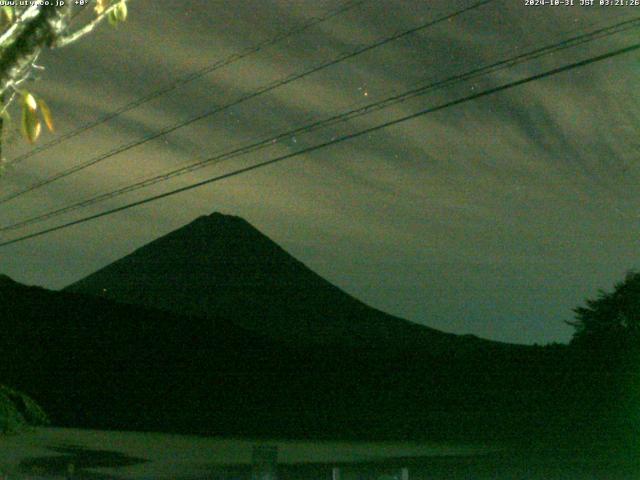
column 582, row 3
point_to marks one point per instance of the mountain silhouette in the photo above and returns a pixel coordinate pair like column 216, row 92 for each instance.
column 92, row 362
column 95, row 363
column 220, row 265
column 215, row 329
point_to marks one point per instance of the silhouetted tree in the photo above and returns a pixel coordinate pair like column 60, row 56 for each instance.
column 17, row 411
column 603, row 397
column 612, row 320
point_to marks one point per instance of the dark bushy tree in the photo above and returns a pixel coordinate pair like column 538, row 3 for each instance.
column 612, row 320
column 18, row 411
column 606, row 366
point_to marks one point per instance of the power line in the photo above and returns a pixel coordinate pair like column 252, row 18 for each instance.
column 266, row 89
column 343, row 117
column 187, row 79
column 344, row 138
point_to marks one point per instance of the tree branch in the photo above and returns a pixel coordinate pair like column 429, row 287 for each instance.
column 34, row 33
column 65, row 40
column 19, row 25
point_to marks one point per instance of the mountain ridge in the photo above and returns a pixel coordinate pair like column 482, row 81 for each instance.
column 221, row 263
column 252, row 342
column 95, row 363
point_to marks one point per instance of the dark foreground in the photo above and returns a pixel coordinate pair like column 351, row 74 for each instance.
column 89, row 454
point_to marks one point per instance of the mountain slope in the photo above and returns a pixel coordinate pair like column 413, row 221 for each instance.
column 95, row 363
column 246, row 340
column 221, row 265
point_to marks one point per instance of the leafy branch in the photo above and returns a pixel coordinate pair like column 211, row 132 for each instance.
column 24, row 33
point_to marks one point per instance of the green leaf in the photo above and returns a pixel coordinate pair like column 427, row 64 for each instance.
column 7, row 15
column 113, row 18
column 122, row 11
column 31, row 126
column 100, row 7
column 46, row 114
column 30, row 101
column 118, row 14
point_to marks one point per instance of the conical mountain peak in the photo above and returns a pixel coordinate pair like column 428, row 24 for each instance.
column 221, row 265
column 218, row 219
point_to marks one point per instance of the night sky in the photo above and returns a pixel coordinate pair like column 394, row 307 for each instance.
column 495, row 217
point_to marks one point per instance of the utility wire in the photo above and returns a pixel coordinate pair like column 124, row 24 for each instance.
column 344, row 138
column 343, row 117
column 266, row 89
column 187, row 79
